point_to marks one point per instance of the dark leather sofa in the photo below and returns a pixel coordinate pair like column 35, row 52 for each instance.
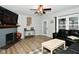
column 63, row 34
column 73, row 49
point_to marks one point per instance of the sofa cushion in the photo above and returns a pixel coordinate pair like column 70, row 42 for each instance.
column 73, row 37
column 62, row 34
column 74, row 32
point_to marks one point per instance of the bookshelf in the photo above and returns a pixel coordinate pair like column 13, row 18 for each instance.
column 69, row 22
column 62, row 23
column 73, row 23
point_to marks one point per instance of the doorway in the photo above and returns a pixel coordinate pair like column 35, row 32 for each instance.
column 45, row 28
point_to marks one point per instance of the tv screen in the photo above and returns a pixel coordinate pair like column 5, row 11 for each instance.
column 10, row 19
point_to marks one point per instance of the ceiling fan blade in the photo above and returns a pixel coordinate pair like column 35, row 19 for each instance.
column 47, row 9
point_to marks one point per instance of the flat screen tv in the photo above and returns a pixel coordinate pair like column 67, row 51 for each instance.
column 8, row 17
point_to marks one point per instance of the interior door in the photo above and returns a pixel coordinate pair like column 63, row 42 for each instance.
column 45, row 28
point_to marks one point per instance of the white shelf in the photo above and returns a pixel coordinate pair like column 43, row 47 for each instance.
column 62, row 23
column 69, row 22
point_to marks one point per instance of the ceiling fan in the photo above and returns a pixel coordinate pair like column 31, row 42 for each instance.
column 41, row 10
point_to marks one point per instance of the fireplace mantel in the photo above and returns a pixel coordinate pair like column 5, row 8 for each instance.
column 9, row 26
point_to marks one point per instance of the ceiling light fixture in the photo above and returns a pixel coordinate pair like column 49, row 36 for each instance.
column 40, row 10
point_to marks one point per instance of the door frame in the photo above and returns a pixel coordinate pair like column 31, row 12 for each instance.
column 46, row 28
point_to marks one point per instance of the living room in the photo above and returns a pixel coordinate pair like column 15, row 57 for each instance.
column 41, row 27
column 28, row 47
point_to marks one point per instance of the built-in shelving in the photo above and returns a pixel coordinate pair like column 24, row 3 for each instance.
column 73, row 22
column 62, row 23
column 70, row 22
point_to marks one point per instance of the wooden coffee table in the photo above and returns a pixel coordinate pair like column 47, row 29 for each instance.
column 53, row 44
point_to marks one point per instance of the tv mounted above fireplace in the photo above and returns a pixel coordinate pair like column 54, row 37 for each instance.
column 8, row 17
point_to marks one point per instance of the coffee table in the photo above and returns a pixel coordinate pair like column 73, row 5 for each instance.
column 53, row 44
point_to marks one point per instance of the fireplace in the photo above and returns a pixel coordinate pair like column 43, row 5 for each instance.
column 10, row 38
column 7, row 36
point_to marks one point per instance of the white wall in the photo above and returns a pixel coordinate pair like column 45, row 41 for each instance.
column 22, row 23
column 51, row 26
column 36, row 23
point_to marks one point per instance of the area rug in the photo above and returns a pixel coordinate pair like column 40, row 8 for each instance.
column 38, row 51
column 45, row 51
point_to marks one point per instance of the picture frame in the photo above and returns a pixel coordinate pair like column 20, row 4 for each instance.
column 29, row 21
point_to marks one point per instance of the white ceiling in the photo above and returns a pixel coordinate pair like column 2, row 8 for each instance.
column 25, row 9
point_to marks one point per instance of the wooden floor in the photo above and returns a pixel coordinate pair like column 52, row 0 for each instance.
column 25, row 45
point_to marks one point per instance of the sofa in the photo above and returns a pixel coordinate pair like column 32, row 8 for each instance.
column 70, row 36
column 72, row 49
